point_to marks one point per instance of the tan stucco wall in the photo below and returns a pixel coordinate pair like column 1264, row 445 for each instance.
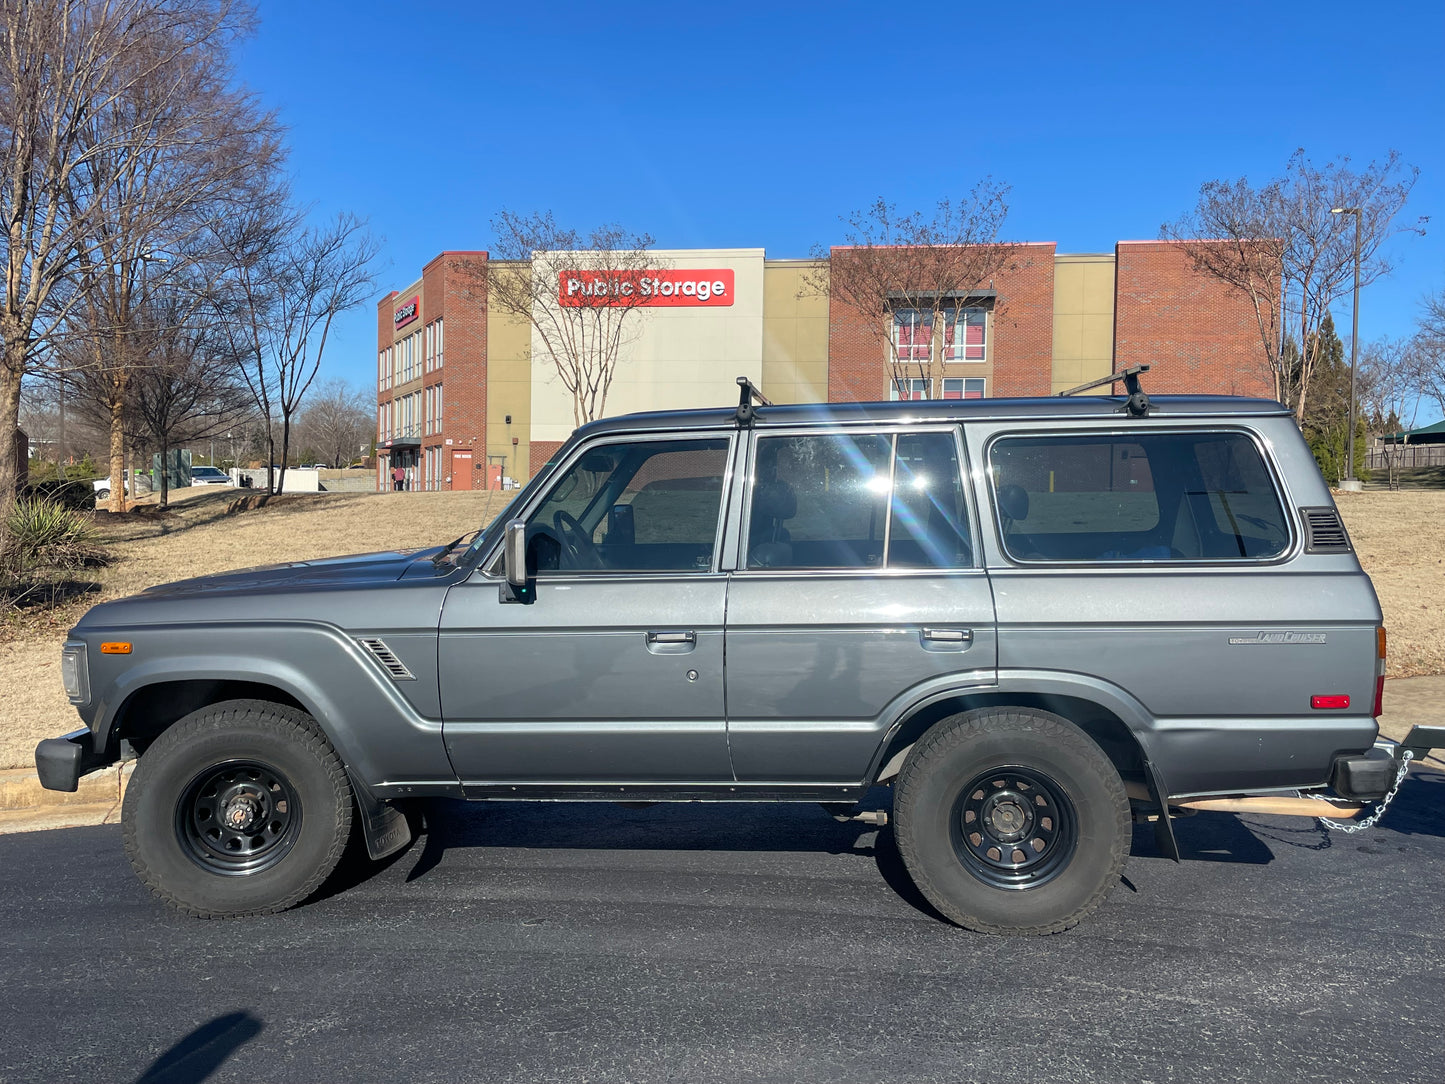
column 1083, row 319
column 795, row 333
column 678, row 358
column 509, row 390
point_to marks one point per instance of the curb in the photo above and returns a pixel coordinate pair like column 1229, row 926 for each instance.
column 26, row 806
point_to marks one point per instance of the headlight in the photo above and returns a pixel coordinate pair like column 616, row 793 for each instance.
column 74, row 673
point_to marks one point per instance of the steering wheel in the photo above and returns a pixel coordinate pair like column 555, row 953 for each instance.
column 576, row 543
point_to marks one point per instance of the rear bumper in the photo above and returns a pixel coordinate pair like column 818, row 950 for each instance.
column 60, row 762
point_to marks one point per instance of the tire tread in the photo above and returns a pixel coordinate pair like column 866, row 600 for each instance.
column 963, row 728
column 305, row 733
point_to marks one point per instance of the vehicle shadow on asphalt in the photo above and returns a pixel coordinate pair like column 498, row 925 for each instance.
column 1417, row 810
column 198, row 1055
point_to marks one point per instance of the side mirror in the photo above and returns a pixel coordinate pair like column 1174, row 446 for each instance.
column 514, row 553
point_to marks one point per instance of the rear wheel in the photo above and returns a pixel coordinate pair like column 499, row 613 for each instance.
column 240, row 808
column 102, row 494
column 1011, row 821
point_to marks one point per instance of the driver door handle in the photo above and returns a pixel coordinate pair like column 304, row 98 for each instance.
column 671, row 642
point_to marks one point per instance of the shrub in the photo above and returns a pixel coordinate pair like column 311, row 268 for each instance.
column 77, row 495
column 45, row 533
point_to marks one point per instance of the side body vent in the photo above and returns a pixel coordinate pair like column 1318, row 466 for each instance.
column 384, row 655
column 1324, row 533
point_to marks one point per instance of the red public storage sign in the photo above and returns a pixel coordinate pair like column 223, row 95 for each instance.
column 657, row 289
column 407, row 313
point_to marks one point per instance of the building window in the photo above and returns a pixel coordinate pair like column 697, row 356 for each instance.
column 380, row 424
column 960, row 387
column 910, row 389
column 439, row 409
column 913, row 336
column 438, row 326
column 965, row 334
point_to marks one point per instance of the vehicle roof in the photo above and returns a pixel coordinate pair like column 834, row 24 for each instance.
column 936, row 410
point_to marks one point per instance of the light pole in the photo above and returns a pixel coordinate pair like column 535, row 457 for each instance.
column 1349, row 482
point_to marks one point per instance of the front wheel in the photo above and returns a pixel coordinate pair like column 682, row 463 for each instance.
column 1011, row 821
column 240, row 808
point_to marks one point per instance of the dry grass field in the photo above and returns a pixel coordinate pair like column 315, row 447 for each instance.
column 1400, row 538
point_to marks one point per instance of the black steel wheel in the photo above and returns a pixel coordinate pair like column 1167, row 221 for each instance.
column 1011, row 821
column 1014, row 827
column 240, row 808
column 239, row 817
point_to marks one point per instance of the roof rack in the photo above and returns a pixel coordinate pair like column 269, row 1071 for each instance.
column 1138, row 401
column 749, row 394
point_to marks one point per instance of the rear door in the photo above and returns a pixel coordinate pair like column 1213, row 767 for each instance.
column 857, row 591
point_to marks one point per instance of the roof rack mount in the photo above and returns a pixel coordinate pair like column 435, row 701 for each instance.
column 1138, row 402
column 747, row 396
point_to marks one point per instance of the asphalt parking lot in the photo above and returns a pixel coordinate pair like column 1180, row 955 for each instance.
column 696, row 943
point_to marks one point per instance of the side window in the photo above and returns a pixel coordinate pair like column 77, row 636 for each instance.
column 1151, row 497
column 647, row 506
column 857, row 501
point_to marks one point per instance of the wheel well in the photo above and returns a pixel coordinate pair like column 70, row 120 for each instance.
column 149, row 711
column 1109, row 732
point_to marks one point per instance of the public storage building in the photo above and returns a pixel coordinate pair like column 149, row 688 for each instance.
column 466, row 398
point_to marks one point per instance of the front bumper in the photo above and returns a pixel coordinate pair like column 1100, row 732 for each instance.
column 60, row 762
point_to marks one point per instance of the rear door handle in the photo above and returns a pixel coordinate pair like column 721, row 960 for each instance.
column 936, row 639
column 671, row 642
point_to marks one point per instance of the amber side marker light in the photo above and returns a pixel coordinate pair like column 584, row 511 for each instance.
column 1380, row 644
column 115, row 648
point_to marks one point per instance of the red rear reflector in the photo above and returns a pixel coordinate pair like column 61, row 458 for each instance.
column 1328, row 702
column 114, row 648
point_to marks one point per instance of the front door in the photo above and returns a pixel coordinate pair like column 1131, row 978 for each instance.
column 858, row 593
column 614, row 673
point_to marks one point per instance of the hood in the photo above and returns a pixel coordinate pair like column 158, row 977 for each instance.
column 352, row 571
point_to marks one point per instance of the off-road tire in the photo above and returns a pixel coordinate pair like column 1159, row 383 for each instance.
column 958, row 752
column 279, row 739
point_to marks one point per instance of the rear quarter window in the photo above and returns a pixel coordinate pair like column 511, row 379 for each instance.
column 1204, row 496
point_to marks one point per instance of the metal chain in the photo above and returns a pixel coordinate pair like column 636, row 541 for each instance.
column 1379, row 811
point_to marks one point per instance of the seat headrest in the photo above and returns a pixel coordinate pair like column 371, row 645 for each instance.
column 775, row 500
column 1013, row 501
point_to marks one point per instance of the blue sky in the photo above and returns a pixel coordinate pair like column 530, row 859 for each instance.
column 738, row 125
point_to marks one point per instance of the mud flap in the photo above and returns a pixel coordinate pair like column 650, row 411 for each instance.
column 383, row 826
column 1163, row 829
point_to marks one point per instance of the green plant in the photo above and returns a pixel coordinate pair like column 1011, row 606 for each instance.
column 44, row 533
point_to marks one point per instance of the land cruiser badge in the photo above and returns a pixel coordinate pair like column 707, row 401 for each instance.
column 1280, row 638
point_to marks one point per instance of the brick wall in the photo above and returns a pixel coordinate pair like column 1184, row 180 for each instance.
column 1199, row 335
column 540, row 452
column 456, row 291
column 1020, row 353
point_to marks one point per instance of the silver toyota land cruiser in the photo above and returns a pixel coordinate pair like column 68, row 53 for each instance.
column 1036, row 620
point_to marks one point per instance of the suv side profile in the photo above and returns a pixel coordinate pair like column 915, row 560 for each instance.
column 1037, row 620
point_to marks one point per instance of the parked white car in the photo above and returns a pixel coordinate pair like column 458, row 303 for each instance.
column 102, row 487
column 209, row 476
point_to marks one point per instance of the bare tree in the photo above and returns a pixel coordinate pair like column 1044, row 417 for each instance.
column 308, row 279
column 338, row 421
column 582, row 296
column 1389, row 385
column 1428, row 348
column 189, row 389
column 150, row 208
column 913, row 276
column 1281, row 246
column 63, row 65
